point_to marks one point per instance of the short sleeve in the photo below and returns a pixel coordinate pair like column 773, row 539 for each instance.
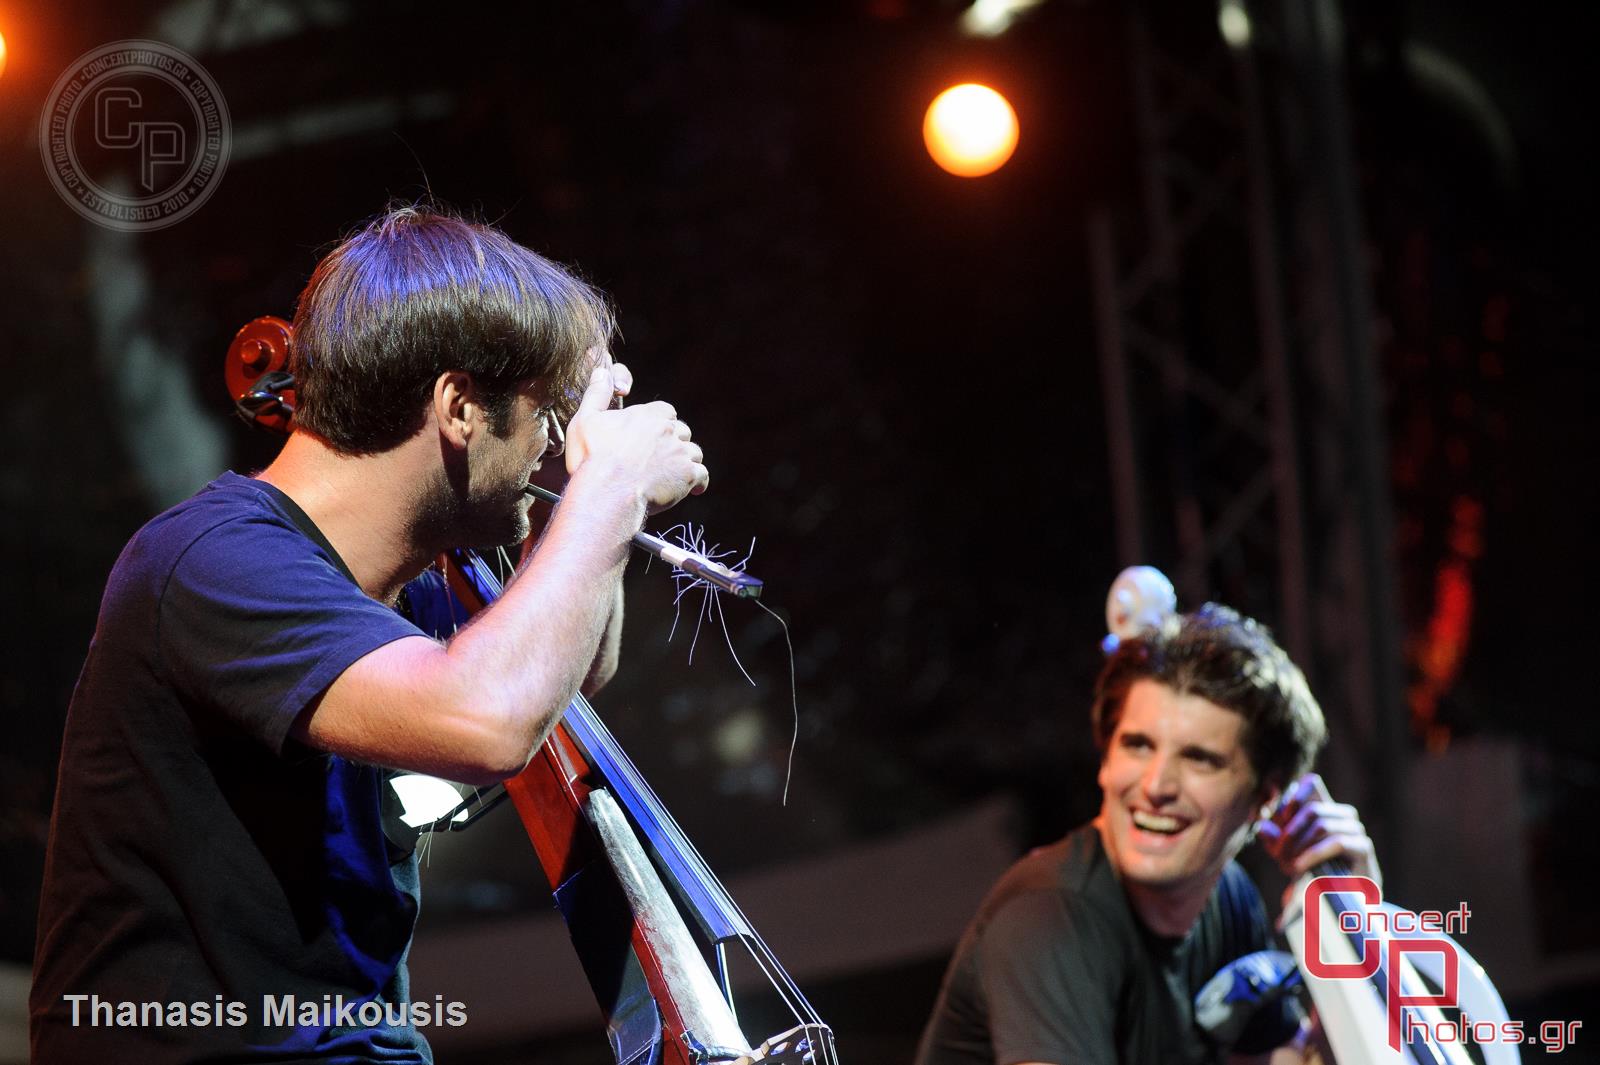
column 1050, row 970
column 256, row 620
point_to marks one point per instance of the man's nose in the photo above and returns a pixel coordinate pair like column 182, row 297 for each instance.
column 1160, row 779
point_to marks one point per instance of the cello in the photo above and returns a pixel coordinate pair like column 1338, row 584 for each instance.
column 1362, row 1017
column 651, row 924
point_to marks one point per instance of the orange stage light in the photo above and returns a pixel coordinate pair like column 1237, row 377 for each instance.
column 2, row 53
column 970, row 130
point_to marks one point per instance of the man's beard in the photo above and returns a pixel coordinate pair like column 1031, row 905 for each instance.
column 456, row 512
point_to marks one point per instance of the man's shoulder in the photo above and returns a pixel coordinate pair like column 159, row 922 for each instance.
column 223, row 533
column 229, row 498
column 239, row 505
column 1067, row 877
column 1071, row 864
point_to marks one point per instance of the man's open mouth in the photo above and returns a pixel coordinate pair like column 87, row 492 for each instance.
column 1158, row 823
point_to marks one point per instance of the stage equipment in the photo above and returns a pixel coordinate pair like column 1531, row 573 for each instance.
column 970, row 130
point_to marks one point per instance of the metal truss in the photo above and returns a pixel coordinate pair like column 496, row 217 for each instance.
column 1234, row 333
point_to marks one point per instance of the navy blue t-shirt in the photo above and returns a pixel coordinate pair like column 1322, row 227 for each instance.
column 203, row 865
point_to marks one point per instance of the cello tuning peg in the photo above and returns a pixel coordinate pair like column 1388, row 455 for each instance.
column 255, row 354
column 1141, row 600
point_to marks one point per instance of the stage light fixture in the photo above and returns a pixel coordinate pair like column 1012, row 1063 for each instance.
column 970, row 130
column 1234, row 22
column 991, row 18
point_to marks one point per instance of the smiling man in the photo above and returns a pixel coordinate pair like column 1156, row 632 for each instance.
column 1092, row 949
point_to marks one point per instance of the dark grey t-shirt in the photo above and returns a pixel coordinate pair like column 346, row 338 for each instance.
column 1055, row 968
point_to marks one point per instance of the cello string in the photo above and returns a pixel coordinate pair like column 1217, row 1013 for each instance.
column 680, row 841
column 764, row 957
column 777, row 976
column 774, row 971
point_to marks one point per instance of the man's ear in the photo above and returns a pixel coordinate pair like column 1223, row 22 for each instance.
column 455, row 406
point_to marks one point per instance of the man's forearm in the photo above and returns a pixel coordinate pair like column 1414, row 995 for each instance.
column 609, row 655
column 548, row 632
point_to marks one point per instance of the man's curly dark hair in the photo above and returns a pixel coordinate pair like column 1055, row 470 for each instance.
column 1234, row 662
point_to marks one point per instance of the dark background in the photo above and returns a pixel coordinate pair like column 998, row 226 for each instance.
column 892, row 372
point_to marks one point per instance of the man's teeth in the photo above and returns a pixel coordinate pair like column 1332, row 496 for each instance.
column 1156, row 822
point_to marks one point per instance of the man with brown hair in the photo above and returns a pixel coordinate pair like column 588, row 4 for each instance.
column 219, row 839
column 1092, row 949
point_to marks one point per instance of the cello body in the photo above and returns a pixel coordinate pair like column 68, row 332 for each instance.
column 1354, row 1014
